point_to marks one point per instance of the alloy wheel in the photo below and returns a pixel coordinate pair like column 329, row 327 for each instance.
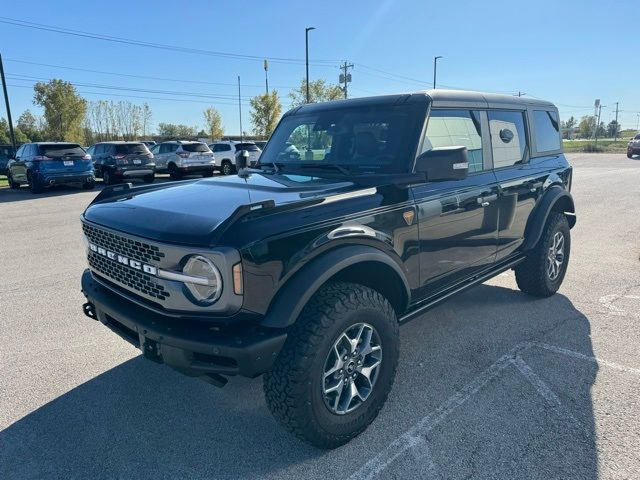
column 351, row 368
column 555, row 256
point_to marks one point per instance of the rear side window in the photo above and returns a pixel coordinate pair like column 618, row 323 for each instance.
column 456, row 128
column 250, row 147
column 195, row 147
column 547, row 130
column 508, row 137
column 132, row 149
column 61, row 149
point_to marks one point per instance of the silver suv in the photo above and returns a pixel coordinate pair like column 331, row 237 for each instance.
column 226, row 152
column 183, row 157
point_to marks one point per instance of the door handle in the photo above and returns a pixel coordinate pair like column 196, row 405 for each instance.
column 487, row 199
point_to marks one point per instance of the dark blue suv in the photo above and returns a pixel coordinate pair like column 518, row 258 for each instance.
column 45, row 164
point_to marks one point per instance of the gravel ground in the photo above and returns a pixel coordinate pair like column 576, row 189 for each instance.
column 492, row 384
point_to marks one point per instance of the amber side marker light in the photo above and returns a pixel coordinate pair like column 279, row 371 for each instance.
column 237, row 279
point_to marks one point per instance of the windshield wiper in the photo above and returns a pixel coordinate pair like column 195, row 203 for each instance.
column 276, row 166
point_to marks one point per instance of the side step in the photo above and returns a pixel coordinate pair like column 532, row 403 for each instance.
column 446, row 294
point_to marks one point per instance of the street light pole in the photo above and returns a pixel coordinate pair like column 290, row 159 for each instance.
column 306, row 46
column 435, row 69
column 6, row 102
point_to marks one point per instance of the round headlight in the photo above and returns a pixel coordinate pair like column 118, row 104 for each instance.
column 208, row 286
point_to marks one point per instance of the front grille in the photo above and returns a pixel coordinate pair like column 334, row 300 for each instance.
column 135, row 249
column 134, row 279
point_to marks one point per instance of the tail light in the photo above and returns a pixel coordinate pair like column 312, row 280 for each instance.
column 149, row 155
column 87, row 157
column 183, row 154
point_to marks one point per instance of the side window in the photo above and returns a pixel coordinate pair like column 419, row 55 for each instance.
column 173, row 147
column 20, row 151
column 29, row 150
column 456, row 128
column 508, row 137
column 226, row 148
column 547, row 130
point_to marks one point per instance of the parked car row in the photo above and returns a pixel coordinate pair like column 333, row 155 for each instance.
column 43, row 164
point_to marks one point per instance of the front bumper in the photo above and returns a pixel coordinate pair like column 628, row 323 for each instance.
column 65, row 178
column 195, row 348
column 633, row 150
column 136, row 171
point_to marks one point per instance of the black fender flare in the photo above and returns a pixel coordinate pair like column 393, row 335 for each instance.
column 555, row 198
column 298, row 290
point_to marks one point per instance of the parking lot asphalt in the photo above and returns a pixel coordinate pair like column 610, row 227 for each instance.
column 491, row 384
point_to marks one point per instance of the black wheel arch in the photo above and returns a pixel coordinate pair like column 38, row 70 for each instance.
column 555, row 199
column 360, row 264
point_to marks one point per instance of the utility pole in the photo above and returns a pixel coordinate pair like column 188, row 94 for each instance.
column 6, row 102
column 638, row 124
column 615, row 136
column 266, row 75
column 435, row 69
column 597, row 119
column 345, row 77
column 306, row 46
column 240, row 110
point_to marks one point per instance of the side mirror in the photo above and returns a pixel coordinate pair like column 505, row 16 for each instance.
column 242, row 160
column 445, row 163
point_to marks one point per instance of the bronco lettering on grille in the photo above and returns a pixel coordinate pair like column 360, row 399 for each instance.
column 149, row 269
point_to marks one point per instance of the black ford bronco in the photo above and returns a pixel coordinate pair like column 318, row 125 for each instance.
column 360, row 215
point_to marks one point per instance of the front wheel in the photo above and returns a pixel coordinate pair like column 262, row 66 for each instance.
column 13, row 185
column 174, row 173
column 148, row 178
column 629, row 155
column 89, row 185
column 542, row 272
column 227, row 168
column 34, row 185
column 107, row 177
column 337, row 366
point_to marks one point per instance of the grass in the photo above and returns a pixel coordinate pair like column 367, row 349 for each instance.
column 606, row 145
column 4, row 182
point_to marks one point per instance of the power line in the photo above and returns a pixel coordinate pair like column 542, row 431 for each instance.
column 128, row 89
column 84, row 92
column 146, row 77
column 160, row 46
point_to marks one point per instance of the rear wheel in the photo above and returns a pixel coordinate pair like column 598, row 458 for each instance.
column 174, row 173
column 542, row 272
column 107, row 177
column 34, row 185
column 337, row 366
column 89, row 185
column 148, row 178
column 227, row 168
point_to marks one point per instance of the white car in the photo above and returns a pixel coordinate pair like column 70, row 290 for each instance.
column 183, row 157
column 226, row 152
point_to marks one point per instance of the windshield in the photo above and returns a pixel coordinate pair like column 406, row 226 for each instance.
column 132, row 149
column 195, row 147
column 61, row 150
column 369, row 139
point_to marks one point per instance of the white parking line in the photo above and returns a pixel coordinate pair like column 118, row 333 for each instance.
column 414, row 438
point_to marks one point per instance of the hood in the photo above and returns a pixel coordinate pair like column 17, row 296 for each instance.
column 189, row 212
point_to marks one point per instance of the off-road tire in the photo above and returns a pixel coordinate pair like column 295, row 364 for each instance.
column 174, row 173
column 293, row 388
column 34, row 185
column 148, row 178
column 531, row 275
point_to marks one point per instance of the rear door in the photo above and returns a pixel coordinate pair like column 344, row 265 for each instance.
column 457, row 219
column 519, row 180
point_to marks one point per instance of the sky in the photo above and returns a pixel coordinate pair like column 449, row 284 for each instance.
column 567, row 51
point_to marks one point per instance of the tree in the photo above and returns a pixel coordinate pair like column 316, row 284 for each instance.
column 146, row 118
column 265, row 113
column 319, row 91
column 567, row 127
column 173, row 130
column 214, row 123
column 5, row 135
column 64, row 109
column 28, row 124
column 613, row 129
column 586, row 126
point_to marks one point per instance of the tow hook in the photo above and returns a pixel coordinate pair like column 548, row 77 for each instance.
column 151, row 351
column 89, row 310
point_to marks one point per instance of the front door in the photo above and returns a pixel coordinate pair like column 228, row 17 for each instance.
column 457, row 219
